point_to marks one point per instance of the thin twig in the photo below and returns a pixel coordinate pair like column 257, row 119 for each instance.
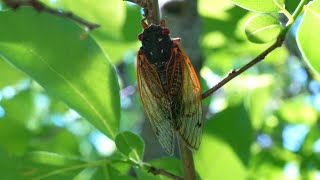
column 151, row 10
column 156, row 171
column 41, row 7
column 149, row 168
column 234, row 73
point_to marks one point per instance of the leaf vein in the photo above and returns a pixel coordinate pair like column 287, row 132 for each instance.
column 52, row 69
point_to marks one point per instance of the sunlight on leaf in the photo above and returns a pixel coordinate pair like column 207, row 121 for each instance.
column 260, row 5
column 113, row 16
column 262, row 28
column 11, row 74
column 226, row 143
column 50, row 158
column 218, row 156
column 298, row 110
column 50, row 50
column 308, row 35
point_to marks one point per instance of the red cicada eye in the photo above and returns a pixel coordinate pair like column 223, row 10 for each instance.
column 141, row 36
column 165, row 31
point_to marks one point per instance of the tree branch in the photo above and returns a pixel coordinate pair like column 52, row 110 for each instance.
column 156, row 171
column 234, row 73
column 189, row 171
column 39, row 6
column 151, row 10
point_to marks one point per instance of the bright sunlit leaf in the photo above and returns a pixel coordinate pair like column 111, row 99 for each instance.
column 112, row 35
column 260, row 5
column 12, row 74
column 50, row 50
column 215, row 9
column 50, row 158
column 20, row 108
column 98, row 12
column 262, row 28
column 297, row 110
column 308, row 35
column 257, row 104
column 226, row 143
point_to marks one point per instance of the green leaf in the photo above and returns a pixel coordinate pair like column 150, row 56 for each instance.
column 109, row 172
column 119, row 23
column 260, row 5
column 50, row 158
column 98, row 12
column 267, row 164
column 173, row 165
column 298, row 110
column 226, row 143
column 130, row 145
column 86, row 173
column 57, row 140
column 215, row 9
column 14, row 137
column 170, row 164
column 10, row 166
column 258, row 99
column 262, row 28
column 8, row 74
column 20, row 108
column 291, row 5
column 52, row 52
column 308, row 35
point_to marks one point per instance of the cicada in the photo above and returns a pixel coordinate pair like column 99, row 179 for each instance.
column 169, row 88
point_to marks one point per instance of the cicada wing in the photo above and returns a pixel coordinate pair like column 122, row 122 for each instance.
column 155, row 103
column 190, row 119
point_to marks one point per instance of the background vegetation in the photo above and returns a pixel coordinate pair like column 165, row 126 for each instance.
column 67, row 93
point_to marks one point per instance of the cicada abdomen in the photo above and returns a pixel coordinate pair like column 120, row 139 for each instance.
column 169, row 88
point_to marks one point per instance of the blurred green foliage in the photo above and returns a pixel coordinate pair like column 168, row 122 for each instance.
column 263, row 124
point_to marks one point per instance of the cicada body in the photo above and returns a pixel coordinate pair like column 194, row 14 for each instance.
column 169, row 88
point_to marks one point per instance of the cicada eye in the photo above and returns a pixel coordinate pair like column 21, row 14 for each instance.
column 141, row 36
column 165, row 31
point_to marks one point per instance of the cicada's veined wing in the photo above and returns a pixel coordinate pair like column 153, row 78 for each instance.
column 155, row 102
column 189, row 119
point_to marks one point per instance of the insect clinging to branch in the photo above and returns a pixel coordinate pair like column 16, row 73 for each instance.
column 169, row 88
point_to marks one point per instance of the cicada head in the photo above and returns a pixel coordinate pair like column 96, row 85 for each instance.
column 156, row 42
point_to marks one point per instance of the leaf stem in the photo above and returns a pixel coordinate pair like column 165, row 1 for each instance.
column 299, row 9
column 284, row 11
column 295, row 14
